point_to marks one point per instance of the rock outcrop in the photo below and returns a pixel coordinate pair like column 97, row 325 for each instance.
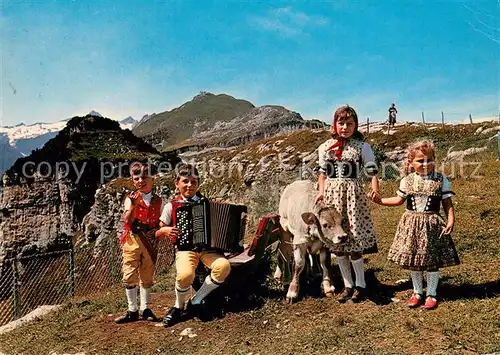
column 37, row 217
column 259, row 123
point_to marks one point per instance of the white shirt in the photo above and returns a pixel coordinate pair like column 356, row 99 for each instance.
column 146, row 198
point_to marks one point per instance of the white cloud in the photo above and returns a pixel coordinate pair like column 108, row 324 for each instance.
column 287, row 22
column 275, row 25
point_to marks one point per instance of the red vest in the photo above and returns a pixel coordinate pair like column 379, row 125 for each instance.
column 149, row 215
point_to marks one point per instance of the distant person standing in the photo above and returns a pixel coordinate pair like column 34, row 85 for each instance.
column 392, row 115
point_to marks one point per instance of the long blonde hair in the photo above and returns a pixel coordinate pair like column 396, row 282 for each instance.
column 424, row 146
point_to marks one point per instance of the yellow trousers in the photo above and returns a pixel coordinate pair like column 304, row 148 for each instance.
column 187, row 261
column 137, row 263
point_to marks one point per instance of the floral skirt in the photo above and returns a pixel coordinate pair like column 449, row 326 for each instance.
column 418, row 244
column 349, row 199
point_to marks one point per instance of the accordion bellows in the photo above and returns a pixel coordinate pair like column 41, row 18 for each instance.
column 211, row 225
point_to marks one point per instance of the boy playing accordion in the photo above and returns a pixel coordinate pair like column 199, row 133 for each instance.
column 187, row 182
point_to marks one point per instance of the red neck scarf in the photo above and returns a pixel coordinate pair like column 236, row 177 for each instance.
column 339, row 144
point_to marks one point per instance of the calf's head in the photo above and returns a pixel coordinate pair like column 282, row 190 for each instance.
column 325, row 223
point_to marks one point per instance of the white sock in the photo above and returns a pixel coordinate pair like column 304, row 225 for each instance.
column 359, row 270
column 131, row 298
column 417, row 280
column 207, row 287
column 145, row 297
column 432, row 283
column 345, row 270
column 180, row 296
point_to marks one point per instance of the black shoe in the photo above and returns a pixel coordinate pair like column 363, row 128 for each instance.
column 345, row 295
column 147, row 314
column 173, row 317
column 359, row 295
column 196, row 310
column 128, row 317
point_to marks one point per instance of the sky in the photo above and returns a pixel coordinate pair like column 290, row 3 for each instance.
column 130, row 58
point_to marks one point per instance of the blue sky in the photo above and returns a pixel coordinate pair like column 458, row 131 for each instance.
column 121, row 58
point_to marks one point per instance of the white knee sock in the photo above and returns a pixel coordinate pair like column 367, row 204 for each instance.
column 131, row 298
column 345, row 270
column 432, row 283
column 417, row 280
column 145, row 297
column 205, row 289
column 359, row 271
column 180, row 296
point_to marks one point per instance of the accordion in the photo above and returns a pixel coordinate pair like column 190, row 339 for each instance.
column 208, row 224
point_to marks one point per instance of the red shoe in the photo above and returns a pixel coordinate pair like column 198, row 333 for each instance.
column 430, row 303
column 415, row 300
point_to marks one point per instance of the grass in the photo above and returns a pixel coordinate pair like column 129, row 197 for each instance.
column 466, row 322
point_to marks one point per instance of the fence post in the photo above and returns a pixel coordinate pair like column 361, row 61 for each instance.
column 442, row 118
column 15, row 290
column 470, row 118
column 368, row 125
column 72, row 271
column 423, row 118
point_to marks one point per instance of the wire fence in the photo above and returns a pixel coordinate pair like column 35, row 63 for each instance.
column 55, row 278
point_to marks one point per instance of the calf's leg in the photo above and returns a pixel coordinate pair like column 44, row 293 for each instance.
column 299, row 254
column 324, row 259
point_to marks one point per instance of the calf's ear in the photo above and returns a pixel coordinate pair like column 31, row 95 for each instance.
column 309, row 218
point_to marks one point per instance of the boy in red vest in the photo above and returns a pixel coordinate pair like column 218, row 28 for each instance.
column 141, row 220
column 187, row 183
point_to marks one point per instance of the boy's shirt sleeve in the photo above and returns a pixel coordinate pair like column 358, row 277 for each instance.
column 127, row 204
column 166, row 214
column 402, row 189
column 447, row 192
column 369, row 163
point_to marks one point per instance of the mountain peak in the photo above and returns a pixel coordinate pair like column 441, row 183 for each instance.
column 128, row 120
column 94, row 113
column 202, row 95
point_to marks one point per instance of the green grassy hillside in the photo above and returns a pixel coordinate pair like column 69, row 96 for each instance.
column 199, row 114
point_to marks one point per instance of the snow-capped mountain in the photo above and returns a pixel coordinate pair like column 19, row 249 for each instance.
column 128, row 123
column 22, row 131
column 21, row 139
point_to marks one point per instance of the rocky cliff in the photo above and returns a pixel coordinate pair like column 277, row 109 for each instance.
column 36, row 217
